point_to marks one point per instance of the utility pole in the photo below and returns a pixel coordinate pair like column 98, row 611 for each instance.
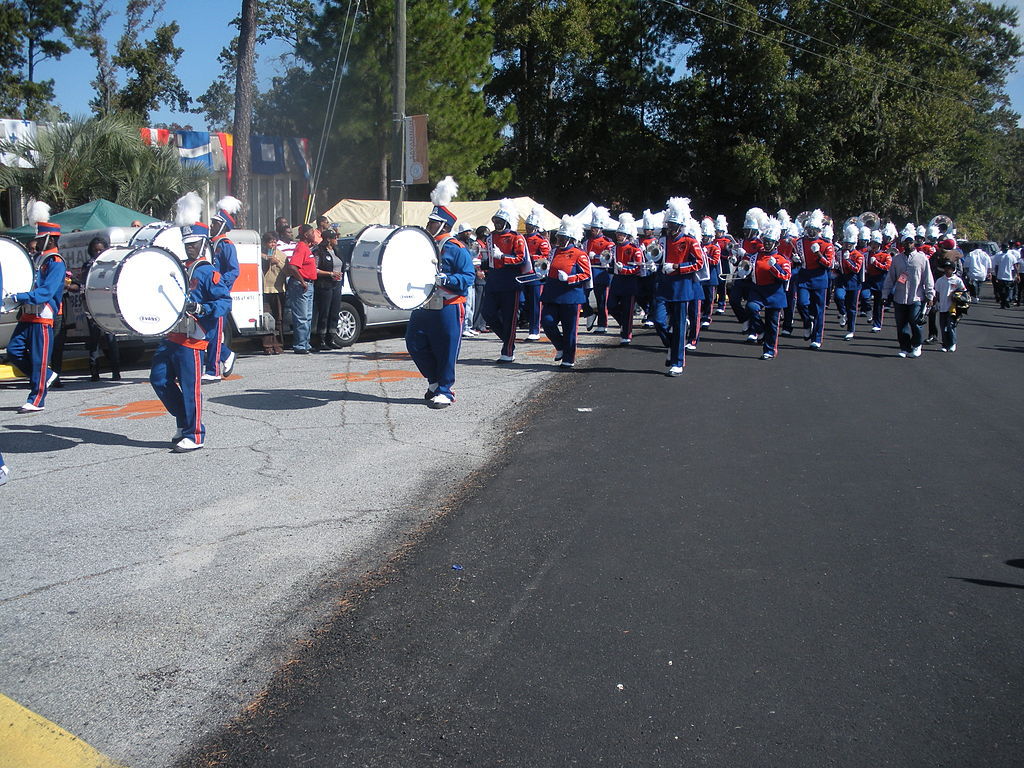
column 244, row 85
column 398, row 118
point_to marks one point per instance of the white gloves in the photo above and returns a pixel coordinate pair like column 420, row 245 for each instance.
column 440, row 279
column 9, row 304
column 772, row 261
column 815, row 248
column 668, row 268
column 563, row 276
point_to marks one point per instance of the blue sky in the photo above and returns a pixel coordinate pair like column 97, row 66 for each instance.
column 205, row 30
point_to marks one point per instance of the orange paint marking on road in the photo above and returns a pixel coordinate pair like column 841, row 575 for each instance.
column 140, row 409
column 233, row 377
column 551, row 352
column 384, row 376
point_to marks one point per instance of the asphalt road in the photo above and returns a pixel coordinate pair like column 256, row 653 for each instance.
column 813, row 561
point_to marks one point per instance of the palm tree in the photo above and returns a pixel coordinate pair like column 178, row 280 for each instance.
column 85, row 159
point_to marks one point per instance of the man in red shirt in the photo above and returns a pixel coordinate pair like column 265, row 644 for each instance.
column 301, row 273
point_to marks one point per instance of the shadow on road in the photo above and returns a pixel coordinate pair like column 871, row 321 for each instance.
column 43, row 438
column 299, row 399
column 1015, row 563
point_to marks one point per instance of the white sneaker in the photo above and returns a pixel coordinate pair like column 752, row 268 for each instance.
column 52, row 378
column 4, row 474
column 29, row 408
column 848, row 336
column 229, row 364
column 901, row 353
column 566, row 365
column 815, row 345
column 601, row 329
column 876, row 328
column 440, row 401
column 767, row 356
column 558, row 357
column 466, row 334
column 533, row 337
column 623, row 342
column 915, row 352
column 952, row 348
column 186, row 445
column 719, row 311
column 751, row 337
column 648, row 323
column 675, row 370
column 207, row 377
column 691, row 346
column 943, row 349
column 506, row 358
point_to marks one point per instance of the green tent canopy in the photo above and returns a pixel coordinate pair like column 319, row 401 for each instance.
column 95, row 215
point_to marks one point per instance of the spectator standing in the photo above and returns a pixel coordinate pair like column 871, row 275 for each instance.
column 273, row 291
column 977, row 268
column 301, row 274
column 327, row 292
column 911, row 286
column 1005, row 275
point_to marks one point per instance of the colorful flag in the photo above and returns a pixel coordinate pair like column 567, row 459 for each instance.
column 151, row 136
column 195, row 146
column 268, row 155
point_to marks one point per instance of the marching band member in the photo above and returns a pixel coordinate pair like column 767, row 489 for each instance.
column 754, row 220
column 220, row 360
column 694, row 318
column 600, row 250
column 788, row 248
column 818, row 256
column 714, row 260
column 31, row 343
column 650, row 246
column 563, row 293
column 539, row 249
column 878, row 261
column 628, row 261
column 677, row 285
column 768, row 292
column 434, row 333
column 926, row 239
column 724, row 241
column 848, row 283
column 178, row 361
column 507, row 256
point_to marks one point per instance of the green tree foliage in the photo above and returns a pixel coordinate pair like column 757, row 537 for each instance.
column 450, row 43
column 74, row 162
column 31, row 32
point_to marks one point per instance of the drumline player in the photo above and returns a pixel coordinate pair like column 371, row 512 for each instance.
column 220, row 360
column 434, row 333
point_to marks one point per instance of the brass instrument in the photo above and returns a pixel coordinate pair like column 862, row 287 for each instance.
column 943, row 223
column 870, row 219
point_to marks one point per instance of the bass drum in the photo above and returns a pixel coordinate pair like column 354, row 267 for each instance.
column 136, row 291
column 163, row 234
column 16, row 267
column 393, row 266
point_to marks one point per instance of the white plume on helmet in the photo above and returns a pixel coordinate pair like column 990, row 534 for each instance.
column 507, row 211
column 229, row 204
column 677, row 210
column 890, row 230
column 851, row 233
column 707, row 226
column 933, row 231
column 784, row 218
column 794, row 229
column 721, row 223
column 38, row 211
column 755, row 219
column 571, row 228
column 600, row 217
column 691, row 227
column 827, row 233
column 772, row 230
column 188, row 210
column 815, row 220
column 909, row 232
column 876, row 236
column 445, row 191
column 653, row 221
column 865, row 232
column 536, row 216
column 921, row 232
column 627, row 225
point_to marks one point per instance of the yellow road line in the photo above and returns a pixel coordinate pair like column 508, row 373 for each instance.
column 30, row 741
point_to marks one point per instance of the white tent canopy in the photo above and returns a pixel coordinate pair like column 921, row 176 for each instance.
column 474, row 214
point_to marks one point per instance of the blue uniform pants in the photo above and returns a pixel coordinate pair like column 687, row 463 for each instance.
column 176, row 379
column 560, row 322
column 737, row 292
column 694, row 316
column 813, row 299
column 707, row 307
column 769, row 326
column 620, row 307
column 601, row 293
column 670, row 323
column 501, row 312
column 848, row 300
column 29, row 348
column 532, row 295
column 217, row 350
column 433, row 338
column 791, row 304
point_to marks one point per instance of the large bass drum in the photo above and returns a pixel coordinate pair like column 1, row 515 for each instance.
column 136, row 291
column 393, row 266
column 163, row 234
column 16, row 267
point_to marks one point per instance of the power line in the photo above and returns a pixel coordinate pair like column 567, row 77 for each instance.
column 803, row 50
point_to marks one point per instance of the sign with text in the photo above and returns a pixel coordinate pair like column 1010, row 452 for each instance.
column 417, row 167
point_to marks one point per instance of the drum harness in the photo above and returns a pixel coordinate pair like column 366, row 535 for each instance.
column 42, row 311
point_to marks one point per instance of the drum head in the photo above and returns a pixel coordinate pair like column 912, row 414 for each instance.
column 407, row 267
column 16, row 267
column 163, row 234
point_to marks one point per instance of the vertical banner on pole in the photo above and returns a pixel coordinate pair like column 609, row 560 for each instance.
column 417, row 167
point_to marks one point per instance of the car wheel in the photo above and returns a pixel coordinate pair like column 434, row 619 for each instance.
column 350, row 324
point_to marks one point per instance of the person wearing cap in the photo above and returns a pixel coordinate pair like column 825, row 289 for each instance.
column 434, row 333
column 507, row 257
column 677, row 284
column 563, row 294
column 742, row 263
column 330, row 271
column 788, row 248
column 724, row 241
column 848, row 282
column 878, row 261
column 220, row 360
column 910, row 286
column 947, row 290
column 177, row 365
column 600, row 248
column 818, row 257
column 31, row 343
column 626, row 264
column 539, row 250
column 771, row 272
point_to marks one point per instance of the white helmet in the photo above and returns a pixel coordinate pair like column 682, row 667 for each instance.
column 921, row 232
column 600, row 218
column 909, row 232
column 721, row 223
column 876, row 236
column 507, row 211
column 536, row 216
column 707, row 227
column 627, row 225
column 755, row 219
column 793, row 230
column 692, row 228
column 571, row 228
column 677, row 210
column 816, row 220
column 851, row 232
column 772, row 230
column 827, row 233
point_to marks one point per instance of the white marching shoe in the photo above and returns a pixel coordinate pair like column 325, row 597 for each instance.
column 185, row 445
column 229, row 364
column 439, row 401
column 29, row 408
